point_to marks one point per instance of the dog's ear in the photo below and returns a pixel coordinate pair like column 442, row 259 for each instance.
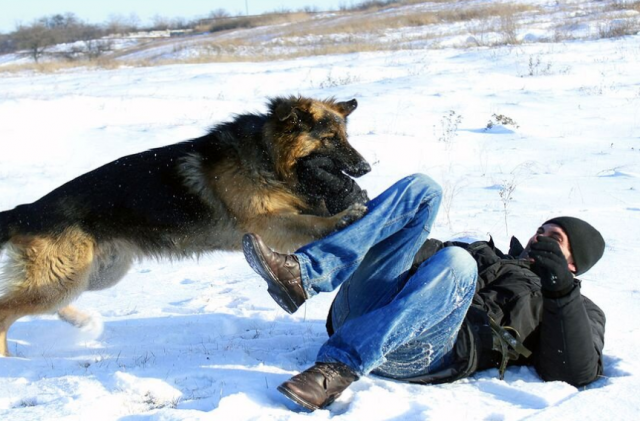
column 347, row 107
column 285, row 111
column 294, row 111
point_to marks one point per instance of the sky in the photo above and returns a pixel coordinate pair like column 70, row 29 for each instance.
column 13, row 12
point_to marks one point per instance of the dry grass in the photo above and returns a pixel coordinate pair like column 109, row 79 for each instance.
column 625, row 5
column 265, row 55
column 380, row 22
column 236, row 52
column 53, row 66
column 244, row 22
column 488, row 11
column 376, row 5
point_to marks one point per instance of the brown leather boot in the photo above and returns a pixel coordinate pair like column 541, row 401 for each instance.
column 281, row 271
column 318, row 386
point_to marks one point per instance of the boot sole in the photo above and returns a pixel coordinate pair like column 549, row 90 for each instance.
column 277, row 291
column 292, row 396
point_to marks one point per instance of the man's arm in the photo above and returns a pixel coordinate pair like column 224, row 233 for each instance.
column 571, row 339
column 571, row 326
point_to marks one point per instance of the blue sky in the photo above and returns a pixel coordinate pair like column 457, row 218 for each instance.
column 13, row 12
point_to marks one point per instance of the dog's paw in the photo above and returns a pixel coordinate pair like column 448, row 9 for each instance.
column 91, row 329
column 351, row 215
column 362, row 197
column 93, row 326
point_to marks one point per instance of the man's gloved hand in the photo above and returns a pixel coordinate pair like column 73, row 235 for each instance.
column 321, row 179
column 551, row 266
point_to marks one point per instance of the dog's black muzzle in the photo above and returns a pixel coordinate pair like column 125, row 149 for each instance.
column 358, row 170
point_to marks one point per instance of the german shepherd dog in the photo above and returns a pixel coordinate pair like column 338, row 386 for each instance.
column 175, row 201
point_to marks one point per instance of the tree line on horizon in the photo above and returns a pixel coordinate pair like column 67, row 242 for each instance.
column 44, row 32
column 33, row 39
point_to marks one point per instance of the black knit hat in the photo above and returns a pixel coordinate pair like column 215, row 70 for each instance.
column 587, row 244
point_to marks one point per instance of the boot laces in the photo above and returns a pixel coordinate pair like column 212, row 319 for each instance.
column 329, row 372
column 290, row 261
column 290, row 264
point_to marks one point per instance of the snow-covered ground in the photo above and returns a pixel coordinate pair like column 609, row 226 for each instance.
column 203, row 340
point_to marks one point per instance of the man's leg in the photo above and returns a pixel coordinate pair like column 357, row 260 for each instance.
column 420, row 323
column 397, row 223
column 380, row 247
column 409, row 336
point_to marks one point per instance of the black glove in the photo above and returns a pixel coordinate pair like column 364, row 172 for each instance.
column 430, row 247
column 321, row 179
column 551, row 266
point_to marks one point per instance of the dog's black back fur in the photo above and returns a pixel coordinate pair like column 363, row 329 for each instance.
column 141, row 197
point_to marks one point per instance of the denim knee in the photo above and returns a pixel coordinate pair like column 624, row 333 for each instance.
column 422, row 182
column 462, row 264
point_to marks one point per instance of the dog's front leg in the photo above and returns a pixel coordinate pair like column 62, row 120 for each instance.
column 287, row 232
column 349, row 216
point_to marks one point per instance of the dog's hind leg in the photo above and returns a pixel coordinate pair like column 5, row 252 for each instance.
column 43, row 274
column 5, row 322
column 73, row 316
column 111, row 263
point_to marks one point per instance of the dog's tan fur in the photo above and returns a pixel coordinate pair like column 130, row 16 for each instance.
column 44, row 273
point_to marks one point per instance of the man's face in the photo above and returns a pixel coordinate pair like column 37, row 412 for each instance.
column 555, row 232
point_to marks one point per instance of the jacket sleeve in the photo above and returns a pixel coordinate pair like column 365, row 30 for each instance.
column 571, row 339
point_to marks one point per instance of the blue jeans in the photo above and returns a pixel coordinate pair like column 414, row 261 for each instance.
column 386, row 321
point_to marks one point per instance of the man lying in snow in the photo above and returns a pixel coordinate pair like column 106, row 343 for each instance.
column 416, row 309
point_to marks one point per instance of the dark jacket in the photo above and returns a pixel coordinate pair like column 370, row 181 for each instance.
column 565, row 334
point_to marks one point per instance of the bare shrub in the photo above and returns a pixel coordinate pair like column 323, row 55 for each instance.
column 509, row 28
column 618, row 28
column 508, row 187
column 500, row 120
column 449, row 127
column 89, row 50
column 506, row 196
column 450, row 190
column 332, row 80
column 537, row 67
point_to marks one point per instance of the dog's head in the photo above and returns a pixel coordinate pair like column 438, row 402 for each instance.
column 302, row 126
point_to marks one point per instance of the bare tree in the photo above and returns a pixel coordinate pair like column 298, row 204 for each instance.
column 56, row 29
column 7, row 44
column 35, row 39
column 160, row 22
column 120, row 24
column 219, row 14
